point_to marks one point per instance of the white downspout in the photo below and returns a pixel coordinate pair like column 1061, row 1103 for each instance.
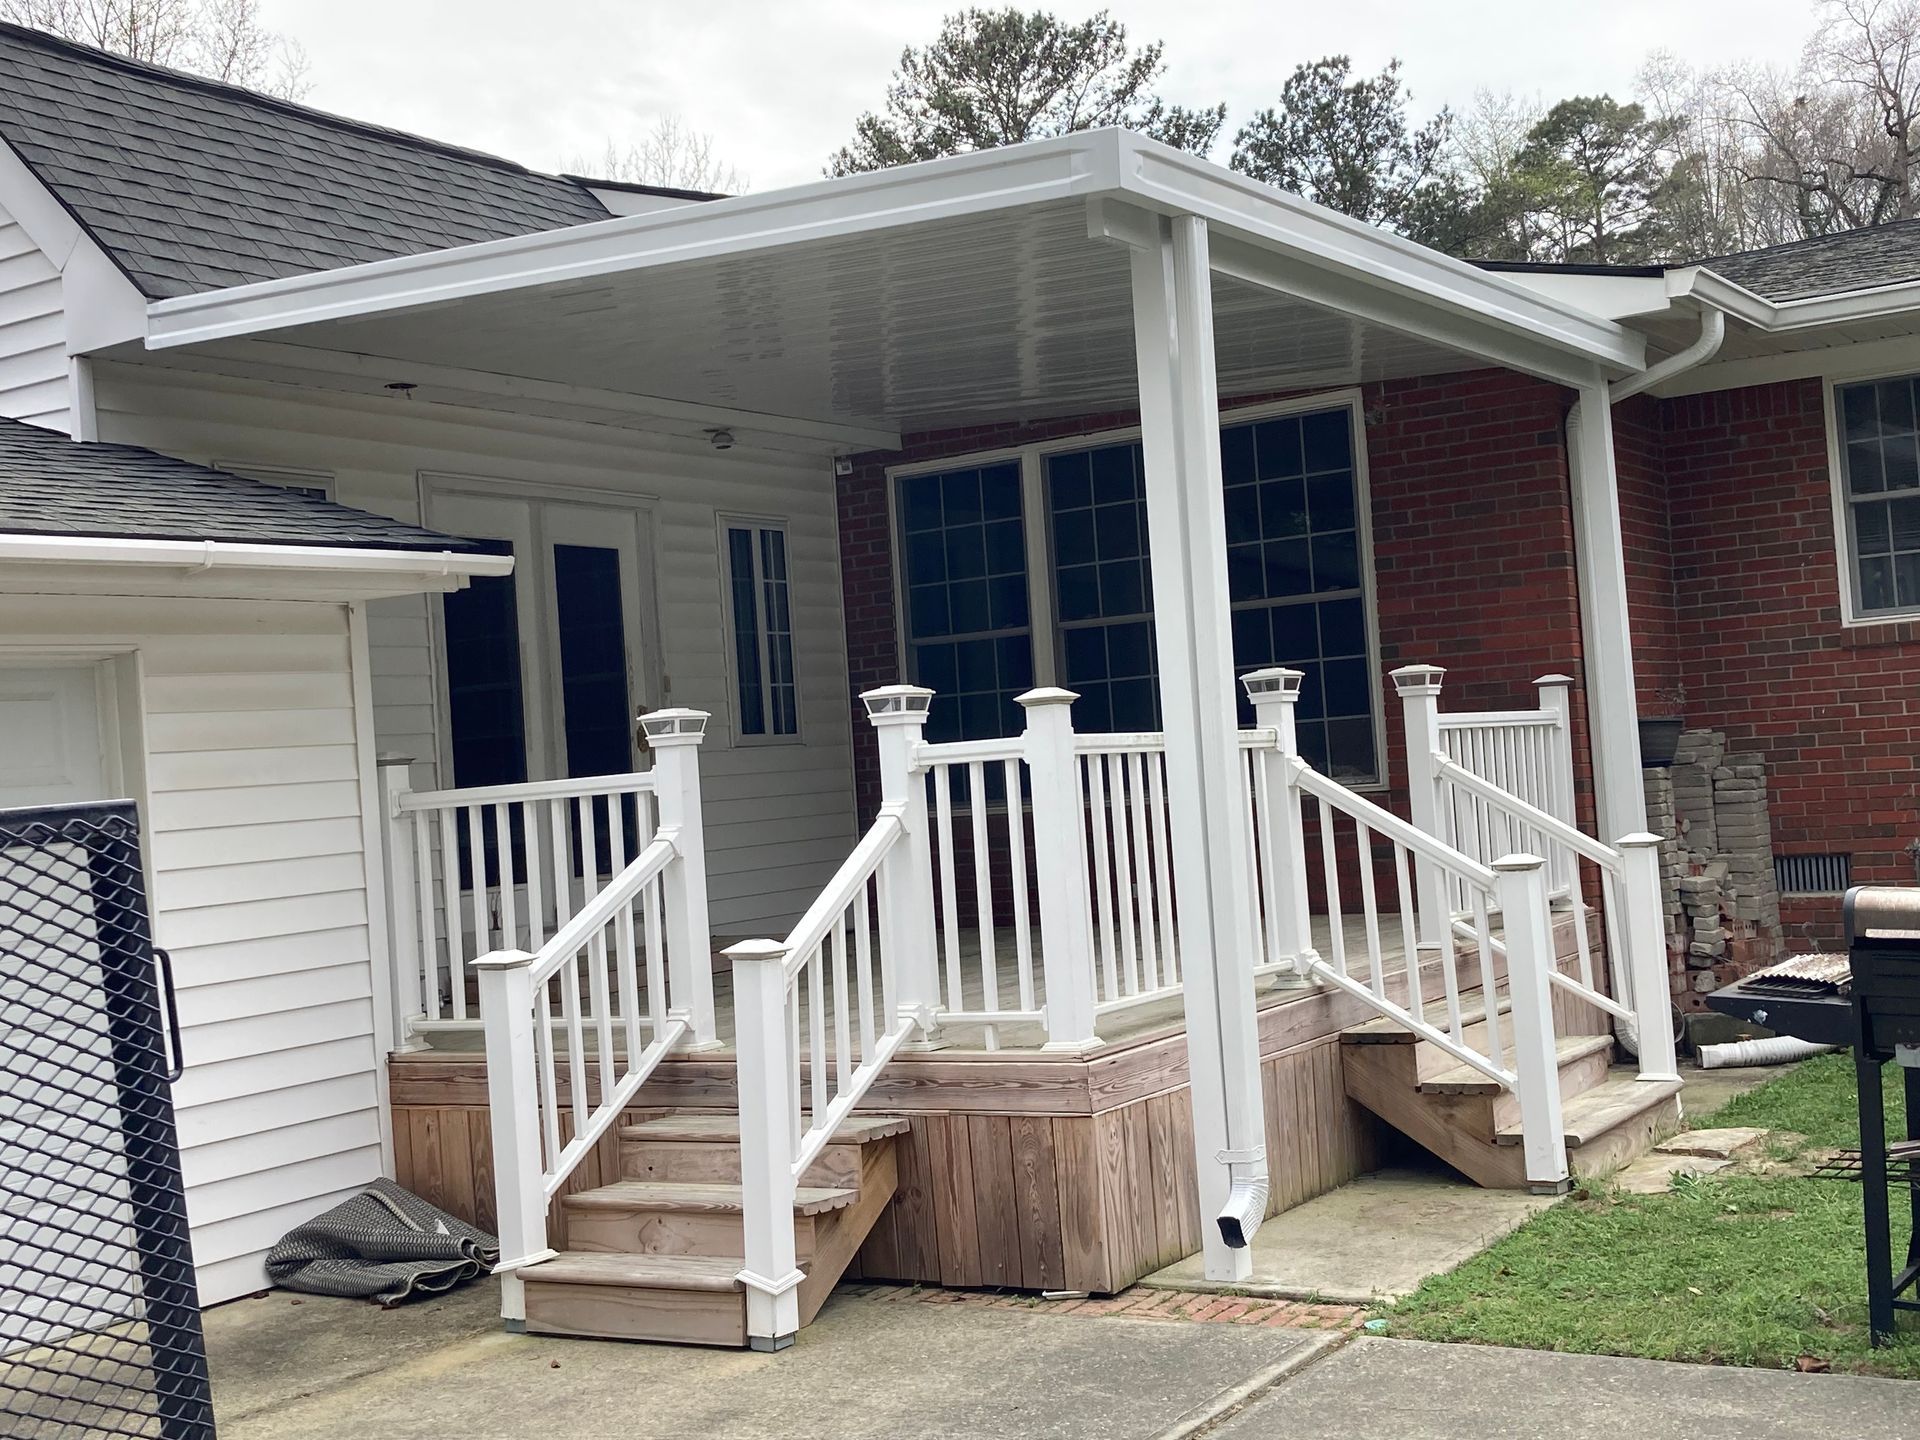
column 1713, row 330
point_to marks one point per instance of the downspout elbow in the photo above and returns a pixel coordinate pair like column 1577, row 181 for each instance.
column 1246, row 1203
column 1713, row 331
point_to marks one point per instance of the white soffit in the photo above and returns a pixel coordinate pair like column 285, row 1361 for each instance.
column 938, row 294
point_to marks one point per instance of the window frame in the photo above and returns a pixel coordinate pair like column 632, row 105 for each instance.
column 1841, row 502
column 1036, row 518
column 754, row 525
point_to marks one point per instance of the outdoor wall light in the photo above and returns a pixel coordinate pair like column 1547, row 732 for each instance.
column 720, row 439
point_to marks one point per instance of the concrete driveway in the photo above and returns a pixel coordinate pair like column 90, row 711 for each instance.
column 885, row 1364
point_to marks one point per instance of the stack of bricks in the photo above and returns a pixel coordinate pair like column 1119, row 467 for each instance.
column 1722, row 907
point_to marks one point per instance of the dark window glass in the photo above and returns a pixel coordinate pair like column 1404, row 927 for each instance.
column 768, row 691
column 486, row 712
column 593, row 690
column 964, row 573
column 1880, row 462
column 1097, row 503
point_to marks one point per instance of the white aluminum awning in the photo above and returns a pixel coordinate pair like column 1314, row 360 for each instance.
column 845, row 313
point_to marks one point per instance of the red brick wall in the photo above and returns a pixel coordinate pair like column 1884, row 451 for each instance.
column 1472, row 532
column 1640, row 462
column 1762, row 652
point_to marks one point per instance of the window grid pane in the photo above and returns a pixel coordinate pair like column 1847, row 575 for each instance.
column 782, row 686
column 964, row 574
column 746, row 633
column 1880, row 460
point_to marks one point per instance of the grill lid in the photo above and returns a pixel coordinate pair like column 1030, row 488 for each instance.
column 1883, row 912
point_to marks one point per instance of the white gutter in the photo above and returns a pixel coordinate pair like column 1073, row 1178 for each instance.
column 1784, row 316
column 202, row 555
column 1713, row 330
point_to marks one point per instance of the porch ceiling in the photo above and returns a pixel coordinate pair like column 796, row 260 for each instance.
column 944, row 295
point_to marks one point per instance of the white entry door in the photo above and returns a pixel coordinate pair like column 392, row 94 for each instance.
column 51, row 742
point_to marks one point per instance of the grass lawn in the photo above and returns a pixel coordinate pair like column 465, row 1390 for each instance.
column 1753, row 1269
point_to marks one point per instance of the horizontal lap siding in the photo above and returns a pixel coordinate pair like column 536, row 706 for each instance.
column 780, row 817
column 254, row 841
column 33, row 350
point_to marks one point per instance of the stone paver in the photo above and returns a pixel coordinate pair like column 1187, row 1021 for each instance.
column 1721, row 1144
column 1654, row 1174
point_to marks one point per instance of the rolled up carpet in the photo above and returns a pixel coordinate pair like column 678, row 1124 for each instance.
column 384, row 1244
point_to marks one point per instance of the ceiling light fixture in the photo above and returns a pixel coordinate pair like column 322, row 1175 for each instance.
column 720, row 439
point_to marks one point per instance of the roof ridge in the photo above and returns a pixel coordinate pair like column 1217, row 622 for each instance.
column 107, row 59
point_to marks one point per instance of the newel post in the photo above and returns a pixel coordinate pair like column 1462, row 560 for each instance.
column 1060, row 868
column 898, row 714
column 505, row 979
column 1556, row 699
column 1419, row 687
column 1275, row 693
column 404, row 899
column 1647, row 983
column 1520, row 887
column 769, row 1107
column 674, row 736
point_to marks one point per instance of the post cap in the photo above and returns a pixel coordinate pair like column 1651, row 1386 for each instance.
column 1276, row 682
column 1520, row 860
column 897, row 704
column 1046, row 695
column 1638, row 840
column 1546, row 680
column 674, row 727
column 756, row 950
column 502, row 960
column 1418, row 679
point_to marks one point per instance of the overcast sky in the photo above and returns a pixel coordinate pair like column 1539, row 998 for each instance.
column 778, row 85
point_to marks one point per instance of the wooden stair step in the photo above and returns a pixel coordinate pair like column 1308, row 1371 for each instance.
column 1462, row 1079
column 725, row 1129
column 1593, row 1115
column 647, row 1272
column 1385, row 1030
column 695, row 1198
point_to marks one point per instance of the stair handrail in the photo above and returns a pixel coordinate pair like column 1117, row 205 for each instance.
column 643, row 943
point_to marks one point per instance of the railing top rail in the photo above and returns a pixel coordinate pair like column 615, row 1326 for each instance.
column 638, row 780
column 592, row 917
column 1260, row 737
column 1502, row 719
column 1119, row 742
column 962, row 752
column 1551, row 826
column 839, row 892
column 1384, row 822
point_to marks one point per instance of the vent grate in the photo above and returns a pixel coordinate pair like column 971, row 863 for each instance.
column 1812, row 874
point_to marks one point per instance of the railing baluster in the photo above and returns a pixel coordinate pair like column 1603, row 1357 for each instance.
column 818, row 1097
column 1376, row 962
column 1489, row 982
column 536, row 900
column 477, row 863
column 509, row 906
column 653, row 931
column 1022, row 899
column 1163, row 897
column 863, row 970
column 562, row 871
column 450, row 907
column 544, row 1068
column 949, row 888
column 1330, row 863
column 983, row 884
column 1148, row 882
column 842, row 1040
column 424, row 905
column 1097, row 816
column 1409, row 946
column 1122, row 873
column 1268, row 871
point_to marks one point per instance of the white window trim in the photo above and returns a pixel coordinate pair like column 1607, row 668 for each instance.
column 1851, row 617
column 755, row 523
column 1043, row 617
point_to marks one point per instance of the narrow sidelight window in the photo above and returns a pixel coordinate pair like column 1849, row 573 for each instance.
column 766, row 692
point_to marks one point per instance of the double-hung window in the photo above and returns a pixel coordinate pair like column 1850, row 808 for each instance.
column 766, row 694
column 1880, row 470
column 1295, row 508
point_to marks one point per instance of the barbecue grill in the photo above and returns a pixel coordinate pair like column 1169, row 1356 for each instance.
column 1871, row 1006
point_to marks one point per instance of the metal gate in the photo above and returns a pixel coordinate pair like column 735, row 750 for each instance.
column 99, row 1319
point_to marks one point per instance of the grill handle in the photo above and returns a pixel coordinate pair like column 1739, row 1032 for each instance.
column 171, row 1006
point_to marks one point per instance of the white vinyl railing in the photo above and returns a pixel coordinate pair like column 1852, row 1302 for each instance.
column 818, row 1015
column 1123, row 778
column 574, row 1028
column 496, row 867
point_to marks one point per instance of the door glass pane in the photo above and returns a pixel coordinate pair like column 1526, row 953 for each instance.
column 485, row 705
column 746, row 633
column 593, row 687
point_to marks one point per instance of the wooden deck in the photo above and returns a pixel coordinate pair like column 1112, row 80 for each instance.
column 1022, row 1169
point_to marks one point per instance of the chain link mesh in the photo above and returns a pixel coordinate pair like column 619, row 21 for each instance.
column 99, row 1319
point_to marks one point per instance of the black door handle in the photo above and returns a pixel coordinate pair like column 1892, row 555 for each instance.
column 172, row 1007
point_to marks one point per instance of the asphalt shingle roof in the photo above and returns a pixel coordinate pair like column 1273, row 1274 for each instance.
column 51, row 485
column 192, row 185
column 1830, row 265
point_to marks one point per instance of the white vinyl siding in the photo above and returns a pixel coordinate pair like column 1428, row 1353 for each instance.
column 33, row 349
column 779, row 817
column 254, row 840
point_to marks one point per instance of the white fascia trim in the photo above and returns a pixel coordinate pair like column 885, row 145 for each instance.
column 200, row 555
column 1784, row 316
column 1086, row 165
column 100, row 305
column 1019, row 175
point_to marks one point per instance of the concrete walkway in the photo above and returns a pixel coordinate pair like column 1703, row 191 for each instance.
column 1411, row 1390
column 890, row 1363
